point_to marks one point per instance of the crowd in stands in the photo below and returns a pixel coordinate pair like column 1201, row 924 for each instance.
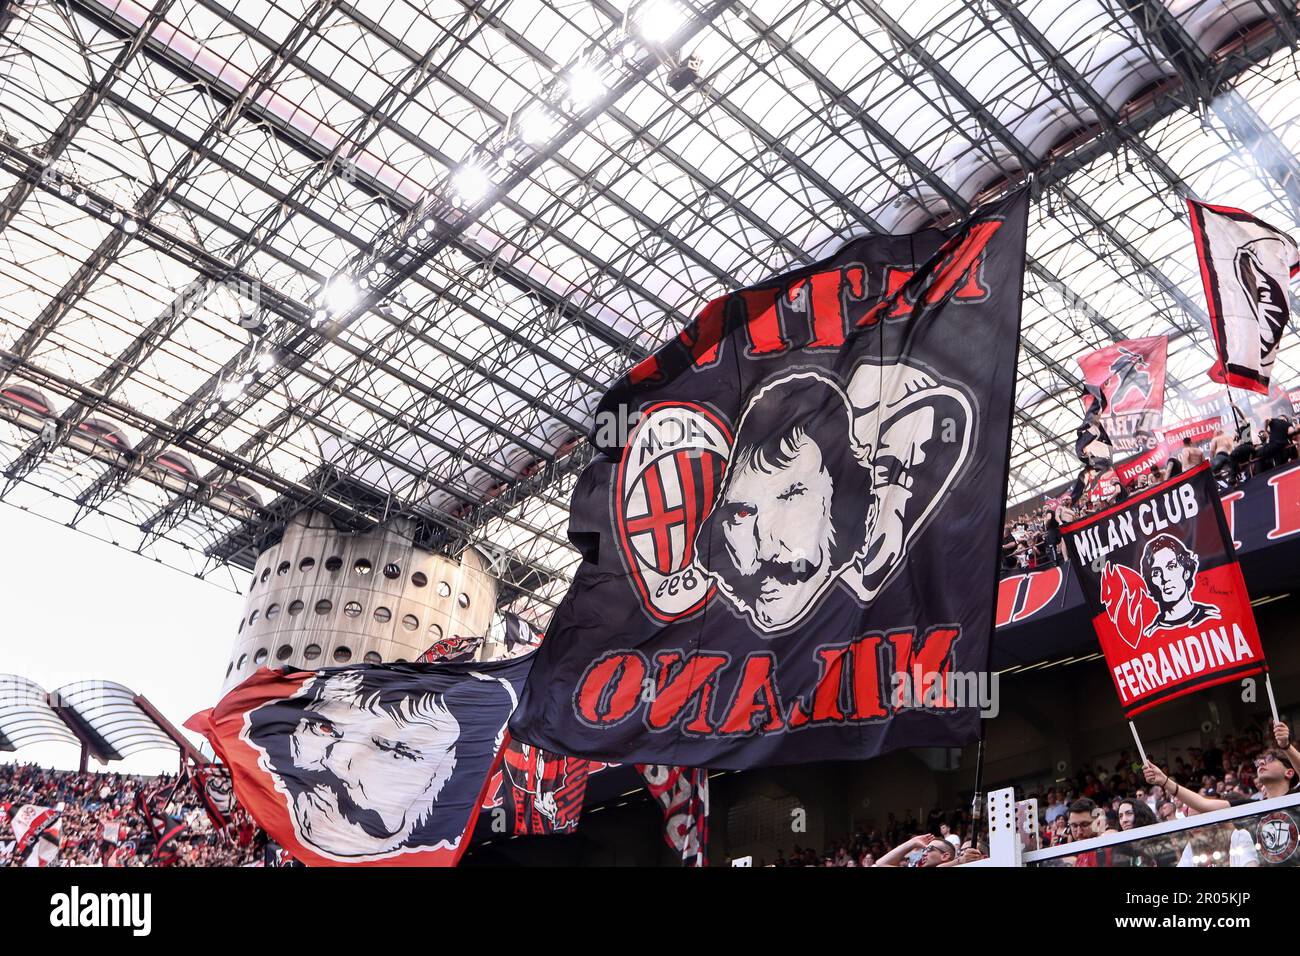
column 1098, row 799
column 1034, row 541
column 91, row 803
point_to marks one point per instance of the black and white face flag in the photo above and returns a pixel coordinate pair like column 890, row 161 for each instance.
column 1246, row 266
column 790, row 527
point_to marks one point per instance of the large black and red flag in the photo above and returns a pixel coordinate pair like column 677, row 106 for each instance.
column 546, row 790
column 1130, row 376
column 165, row 828
column 1246, row 268
column 793, row 504
column 1166, row 595
column 683, row 795
column 374, row 764
column 212, row 785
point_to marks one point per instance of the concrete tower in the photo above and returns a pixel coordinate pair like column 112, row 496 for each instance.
column 321, row 598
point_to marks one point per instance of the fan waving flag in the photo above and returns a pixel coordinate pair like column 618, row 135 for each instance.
column 1130, row 377
column 793, row 504
column 1246, row 267
column 377, row 764
column 1168, row 601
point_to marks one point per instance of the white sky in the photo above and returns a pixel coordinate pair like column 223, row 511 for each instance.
column 75, row 608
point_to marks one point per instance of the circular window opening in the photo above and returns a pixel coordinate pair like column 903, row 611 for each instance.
column 311, row 652
column 273, row 612
column 324, row 606
column 334, row 563
column 444, row 589
column 463, row 600
column 283, row 569
column 352, row 608
column 410, row 622
column 383, row 615
column 342, row 655
column 260, row 657
column 253, row 583
column 419, row 579
column 282, row 652
column 306, row 564
column 266, row 573
column 363, row 566
column 252, row 617
column 230, row 667
column 243, row 659
column 372, row 657
column 392, row 571
column 435, row 632
column 295, row 608
column 241, row 626
column 400, row 660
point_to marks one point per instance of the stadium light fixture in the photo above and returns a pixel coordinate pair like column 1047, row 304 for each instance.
column 658, row 21
column 585, row 86
column 339, row 294
column 536, row 128
column 471, row 184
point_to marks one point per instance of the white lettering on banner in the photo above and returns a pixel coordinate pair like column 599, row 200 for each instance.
column 1168, row 509
column 1186, row 657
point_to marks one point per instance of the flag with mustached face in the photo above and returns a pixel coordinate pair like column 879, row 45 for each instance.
column 792, row 503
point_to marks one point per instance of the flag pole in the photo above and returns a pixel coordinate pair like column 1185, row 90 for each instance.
column 1272, row 701
column 1138, row 740
column 977, row 804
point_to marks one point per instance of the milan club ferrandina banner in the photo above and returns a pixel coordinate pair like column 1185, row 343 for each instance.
column 1131, row 376
column 1169, row 604
column 1246, row 268
column 375, row 764
column 792, row 505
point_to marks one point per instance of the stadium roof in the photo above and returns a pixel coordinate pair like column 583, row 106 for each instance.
column 109, row 720
column 380, row 260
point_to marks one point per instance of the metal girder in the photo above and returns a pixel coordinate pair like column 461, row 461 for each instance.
column 86, row 104
column 554, row 146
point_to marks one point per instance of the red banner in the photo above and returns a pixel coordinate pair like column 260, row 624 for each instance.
column 1131, row 376
column 1167, row 598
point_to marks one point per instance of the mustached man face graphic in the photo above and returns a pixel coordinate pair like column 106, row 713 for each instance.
column 827, row 483
column 789, row 517
column 1169, row 569
column 364, row 766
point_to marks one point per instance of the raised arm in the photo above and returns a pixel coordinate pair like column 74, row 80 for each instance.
column 1199, row 803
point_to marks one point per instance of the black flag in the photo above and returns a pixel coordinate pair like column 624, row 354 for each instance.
column 790, row 529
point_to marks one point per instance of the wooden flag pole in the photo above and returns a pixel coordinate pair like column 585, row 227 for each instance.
column 1137, row 740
